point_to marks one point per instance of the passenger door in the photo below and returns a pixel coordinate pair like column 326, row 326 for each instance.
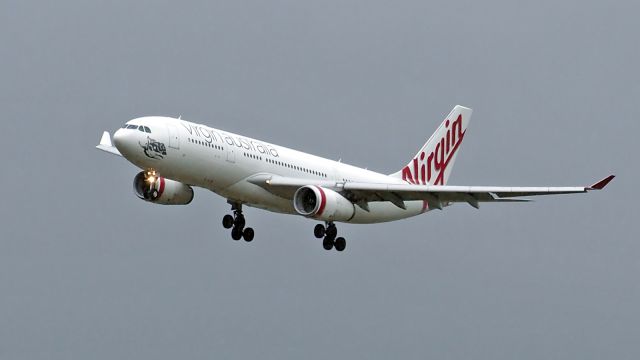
column 174, row 136
column 231, row 155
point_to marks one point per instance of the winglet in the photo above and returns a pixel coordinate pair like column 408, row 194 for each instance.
column 601, row 184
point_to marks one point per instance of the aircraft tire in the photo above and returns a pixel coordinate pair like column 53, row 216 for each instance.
column 331, row 231
column 319, row 231
column 227, row 221
column 248, row 234
column 236, row 233
column 240, row 222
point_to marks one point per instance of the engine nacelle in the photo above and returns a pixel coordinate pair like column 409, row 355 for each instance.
column 322, row 203
column 159, row 190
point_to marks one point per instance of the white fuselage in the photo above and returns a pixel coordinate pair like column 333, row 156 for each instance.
column 221, row 161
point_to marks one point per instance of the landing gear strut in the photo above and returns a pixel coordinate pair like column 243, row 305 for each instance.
column 329, row 232
column 236, row 223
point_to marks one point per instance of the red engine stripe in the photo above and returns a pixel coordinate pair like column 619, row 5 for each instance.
column 323, row 201
column 161, row 190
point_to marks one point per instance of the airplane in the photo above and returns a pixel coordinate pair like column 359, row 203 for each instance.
column 176, row 155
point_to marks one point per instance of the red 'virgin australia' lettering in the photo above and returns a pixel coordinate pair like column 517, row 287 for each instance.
column 425, row 166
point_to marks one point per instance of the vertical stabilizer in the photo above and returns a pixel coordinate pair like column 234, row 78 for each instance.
column 433, row 163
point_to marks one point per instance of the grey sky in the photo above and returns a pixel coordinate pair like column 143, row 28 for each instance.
column 89, row 271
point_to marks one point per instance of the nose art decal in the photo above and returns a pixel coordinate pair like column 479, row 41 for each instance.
column 154, row 149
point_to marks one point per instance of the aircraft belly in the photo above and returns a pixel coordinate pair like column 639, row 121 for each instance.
column 256, row 196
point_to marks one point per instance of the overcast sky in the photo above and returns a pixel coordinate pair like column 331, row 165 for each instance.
column 88, row 271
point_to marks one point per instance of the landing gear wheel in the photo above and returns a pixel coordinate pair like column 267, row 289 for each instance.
column 239, row 221
column 331, row 231
column 340, row 244
column 247, row 234
column 227, row 221
column 327, row 244
column 236, row 233
column 319, row 231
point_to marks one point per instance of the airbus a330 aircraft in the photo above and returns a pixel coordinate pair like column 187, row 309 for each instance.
column 176, row 155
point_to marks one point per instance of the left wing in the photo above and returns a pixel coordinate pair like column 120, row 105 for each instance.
column 105, row 144
column 436, row 195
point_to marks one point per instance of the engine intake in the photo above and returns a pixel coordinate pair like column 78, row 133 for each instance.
column 322, row 203
column 159, row 190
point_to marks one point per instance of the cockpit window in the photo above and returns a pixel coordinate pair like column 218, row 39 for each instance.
column 147, row 130
column 132, row 126
column 141, row 128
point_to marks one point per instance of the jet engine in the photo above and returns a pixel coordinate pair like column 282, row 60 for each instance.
column 322, row 203
column 158, row 190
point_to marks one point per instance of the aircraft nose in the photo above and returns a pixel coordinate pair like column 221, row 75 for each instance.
column 123, row 140
column 117, row 138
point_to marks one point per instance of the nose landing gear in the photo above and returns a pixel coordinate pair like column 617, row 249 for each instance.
column 236, row 223
column 329, row 234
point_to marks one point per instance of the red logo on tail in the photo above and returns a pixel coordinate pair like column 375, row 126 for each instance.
column 426, row 166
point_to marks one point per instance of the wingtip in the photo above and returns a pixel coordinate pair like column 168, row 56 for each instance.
column 602, row 183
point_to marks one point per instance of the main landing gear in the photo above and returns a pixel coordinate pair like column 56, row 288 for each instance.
column 329, row 233
column 236, row 223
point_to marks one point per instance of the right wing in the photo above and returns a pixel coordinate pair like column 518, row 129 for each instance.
column 361, row 193
column 437, row 195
